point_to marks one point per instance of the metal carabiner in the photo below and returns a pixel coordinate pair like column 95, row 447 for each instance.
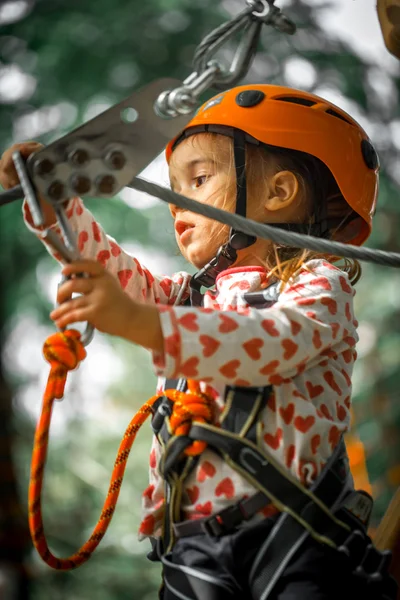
column 67, row 246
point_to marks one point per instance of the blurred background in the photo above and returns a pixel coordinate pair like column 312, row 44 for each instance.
column 61, row 63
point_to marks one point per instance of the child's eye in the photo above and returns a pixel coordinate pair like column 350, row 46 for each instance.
column 199, row 181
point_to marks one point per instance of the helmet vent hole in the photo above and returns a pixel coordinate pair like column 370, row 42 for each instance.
column 332, row 112
column 296, row 100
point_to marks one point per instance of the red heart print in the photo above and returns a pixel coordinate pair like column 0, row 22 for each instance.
column 335, row 328
column 290, row 455
column 301, row 367
column 299, row 287
column 193, row 494
column 323, row 409
column 290, row 348
column 79, row 208
column 277, row 379
column 322, row 282
column 305, row 301
column 315, row 442
column 344, row 285
column 274, row 441
column 303, row 424
column 252, row 347
column 272, row 402
column 225, row 488
column 346, row 376
column 116, row 251
column 124, row 277
column 242, row 285
column 287, row 413
column 347, row 311
column 189, row 368
column 204, row 509
column 330, row 380
column 147, row 525
column 229, row 369
column 347, row 402
column 350, row 340
column 270, row 367
column 269, row 326
column 242, row 383
column 295, row 327
column 228, row 325
column 341, row 411
column 330, row 303
column 82, row 239
column 316, row 339
column 205, row 470
column 172, row 345
column 189, row 321
column 297, row 394
column 103, row 257
column 153, row 461
column 149, row 277
column 166, row 286
column 138, row 265
column 96, row 231
column 210, row 345
column 347, row 356
column 314, row 390
column 148, row 492
column 334, row 436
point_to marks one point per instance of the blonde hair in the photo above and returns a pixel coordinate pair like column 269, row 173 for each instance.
column 316, row 183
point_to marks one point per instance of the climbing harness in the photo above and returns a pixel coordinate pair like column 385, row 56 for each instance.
column 100, row 158
column 331, row 511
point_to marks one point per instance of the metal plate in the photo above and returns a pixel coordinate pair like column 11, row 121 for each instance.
column 102, row 156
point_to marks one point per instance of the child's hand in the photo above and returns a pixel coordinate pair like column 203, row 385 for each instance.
column 9, row 177
column 105, row 306
column 103, row 303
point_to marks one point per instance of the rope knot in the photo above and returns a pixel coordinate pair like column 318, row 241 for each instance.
column 64, row 351
column 190, row 407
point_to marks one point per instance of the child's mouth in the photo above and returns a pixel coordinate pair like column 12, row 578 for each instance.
column 183, row 229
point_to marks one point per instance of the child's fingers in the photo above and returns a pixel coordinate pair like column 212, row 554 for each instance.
column 70, row 312
column 90, row 267
column 8, row 174
column 74, row 286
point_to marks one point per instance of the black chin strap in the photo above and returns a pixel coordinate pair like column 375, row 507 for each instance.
column 227, row 254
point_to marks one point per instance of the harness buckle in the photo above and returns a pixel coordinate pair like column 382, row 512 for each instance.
column 224, row 522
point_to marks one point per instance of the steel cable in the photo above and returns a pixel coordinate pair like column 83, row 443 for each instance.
column 268, row 232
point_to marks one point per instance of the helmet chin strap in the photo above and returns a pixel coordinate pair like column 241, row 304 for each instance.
column 227, row 253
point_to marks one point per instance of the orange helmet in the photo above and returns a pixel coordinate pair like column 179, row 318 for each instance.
column 293, row 119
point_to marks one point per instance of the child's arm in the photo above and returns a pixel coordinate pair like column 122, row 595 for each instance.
column 311, row 322
column 93, row 243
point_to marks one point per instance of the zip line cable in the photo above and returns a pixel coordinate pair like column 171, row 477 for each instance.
column 268, row 232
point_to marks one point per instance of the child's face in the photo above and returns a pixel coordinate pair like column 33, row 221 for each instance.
column 196, row 174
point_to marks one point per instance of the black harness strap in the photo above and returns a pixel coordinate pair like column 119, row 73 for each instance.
column 283, row 489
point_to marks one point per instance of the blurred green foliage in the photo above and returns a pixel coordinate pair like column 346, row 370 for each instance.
column 78, row 54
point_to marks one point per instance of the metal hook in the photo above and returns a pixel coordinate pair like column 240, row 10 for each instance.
column 67, row 248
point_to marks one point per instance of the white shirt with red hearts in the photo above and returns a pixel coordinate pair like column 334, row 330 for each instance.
column 304, row 346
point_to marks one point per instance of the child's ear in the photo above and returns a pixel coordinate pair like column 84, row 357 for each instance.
column 283, row 190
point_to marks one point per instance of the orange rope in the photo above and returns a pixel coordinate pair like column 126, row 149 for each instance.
column 64, row 352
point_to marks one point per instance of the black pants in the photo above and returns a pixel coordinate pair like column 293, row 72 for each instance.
column 204, row 568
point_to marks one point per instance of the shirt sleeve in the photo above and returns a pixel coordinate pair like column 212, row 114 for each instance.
column 311, row 321
column 94, row 243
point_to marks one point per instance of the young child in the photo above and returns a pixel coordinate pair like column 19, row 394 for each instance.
column 278, row 156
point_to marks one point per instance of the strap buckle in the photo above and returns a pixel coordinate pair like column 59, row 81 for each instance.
column 227, row 520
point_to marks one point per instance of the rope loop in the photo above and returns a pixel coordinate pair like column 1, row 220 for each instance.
column 64, row 351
